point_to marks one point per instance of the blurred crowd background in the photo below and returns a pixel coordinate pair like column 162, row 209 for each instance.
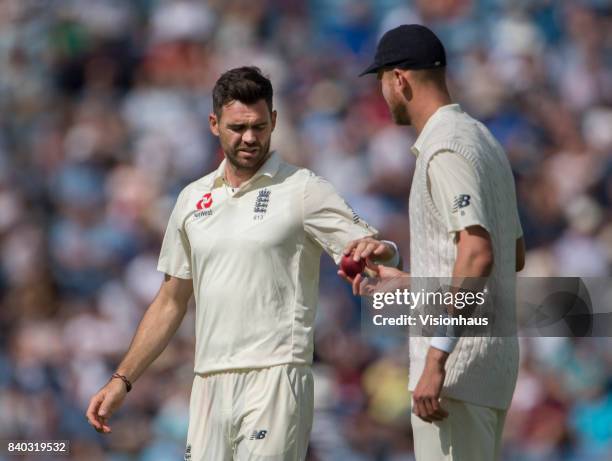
column 103, row 119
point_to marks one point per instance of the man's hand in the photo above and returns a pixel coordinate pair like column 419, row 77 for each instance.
column 426, row 397
column 104, row 404
column 370, row 249
column 383, row 279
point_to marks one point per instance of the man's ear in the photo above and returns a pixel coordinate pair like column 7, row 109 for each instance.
column 403, row 83
column 273, row 119
column 398, row 76
column 213, row 122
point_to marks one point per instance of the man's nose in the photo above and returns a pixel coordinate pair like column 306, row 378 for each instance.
column 249, row 137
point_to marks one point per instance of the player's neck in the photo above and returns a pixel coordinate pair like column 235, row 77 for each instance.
column 422, row 110
column 235, row 177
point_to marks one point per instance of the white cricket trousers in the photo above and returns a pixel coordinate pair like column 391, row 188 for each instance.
column 262, row 414
column 469, row 433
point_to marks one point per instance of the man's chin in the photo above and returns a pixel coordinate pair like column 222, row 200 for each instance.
column 248, row 161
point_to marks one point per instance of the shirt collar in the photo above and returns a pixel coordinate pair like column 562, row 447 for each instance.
column 418, row 144
column 269, row 168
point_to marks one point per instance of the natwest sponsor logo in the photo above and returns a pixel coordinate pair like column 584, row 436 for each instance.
column 205, row 202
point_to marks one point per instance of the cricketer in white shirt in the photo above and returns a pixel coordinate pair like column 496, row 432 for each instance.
column 254, row 254
column 246, row 240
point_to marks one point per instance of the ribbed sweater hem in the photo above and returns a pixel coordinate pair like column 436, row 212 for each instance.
column 482, row 389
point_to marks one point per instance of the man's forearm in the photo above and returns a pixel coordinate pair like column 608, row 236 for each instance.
column 469, row 272
column 158, row 325
column 436, row 358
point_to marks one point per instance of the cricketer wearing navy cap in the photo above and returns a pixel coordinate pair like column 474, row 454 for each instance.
column 410, row 46
column 463, row 224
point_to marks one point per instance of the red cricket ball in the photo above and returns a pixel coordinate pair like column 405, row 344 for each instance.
column 351, row 267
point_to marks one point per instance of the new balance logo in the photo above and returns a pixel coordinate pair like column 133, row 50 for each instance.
column 258, row 435
column 461, row 201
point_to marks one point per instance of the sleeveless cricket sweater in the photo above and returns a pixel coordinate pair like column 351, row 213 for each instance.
column 480, row 370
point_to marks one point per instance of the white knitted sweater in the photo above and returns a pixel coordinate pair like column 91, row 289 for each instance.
column 480, row 370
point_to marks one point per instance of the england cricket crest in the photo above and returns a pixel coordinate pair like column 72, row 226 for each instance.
column 261, row 204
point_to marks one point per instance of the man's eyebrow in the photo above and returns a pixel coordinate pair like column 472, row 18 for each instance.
column 242, row 125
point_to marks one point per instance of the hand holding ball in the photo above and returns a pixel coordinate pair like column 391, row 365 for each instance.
column 351, row 267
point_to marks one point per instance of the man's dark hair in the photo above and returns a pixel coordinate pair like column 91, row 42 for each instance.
column 244, row 84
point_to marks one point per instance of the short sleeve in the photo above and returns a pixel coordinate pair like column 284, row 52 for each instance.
column 329, row 220
column 175, row 254
column 455, row 192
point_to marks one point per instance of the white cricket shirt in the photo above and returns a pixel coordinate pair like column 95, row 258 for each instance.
column 254, row 258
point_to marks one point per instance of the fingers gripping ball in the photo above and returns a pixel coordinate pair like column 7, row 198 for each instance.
column 350, row 267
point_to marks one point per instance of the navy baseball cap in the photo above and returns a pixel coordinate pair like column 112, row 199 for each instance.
column 410, row 46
